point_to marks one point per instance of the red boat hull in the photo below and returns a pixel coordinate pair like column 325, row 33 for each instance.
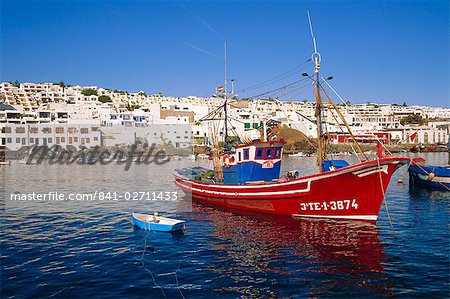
column 353, row 192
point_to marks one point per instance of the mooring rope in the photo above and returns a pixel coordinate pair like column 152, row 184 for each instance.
column 178, row 285
column 384, row 196
column 143, row 265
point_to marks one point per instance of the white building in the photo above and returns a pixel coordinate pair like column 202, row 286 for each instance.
column 15, row 136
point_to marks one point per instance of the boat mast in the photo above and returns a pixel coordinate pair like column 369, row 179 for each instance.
column 225, row 93
column 318, row 113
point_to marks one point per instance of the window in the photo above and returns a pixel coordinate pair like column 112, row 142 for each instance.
column 47, row 130
column 259, row 153
column 246, row 153
column 24, row 141
column 269, row 153
column 6, row 130
column 63, row 139
column 34, row 130
column 255, row 125
column 84, row 130
column 88, row 140
column 277, row 153
column 70, row 140
column 75, row 139
column 31, row 140
column 20, row 130
column 239, row 156
column 58, row 140
column 72, row 130
column 59, row 130
column 82, row 141
column 18, row 140
column 50, row 140
column 246, row 125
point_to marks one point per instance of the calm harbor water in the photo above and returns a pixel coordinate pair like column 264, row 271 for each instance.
column 89, row 249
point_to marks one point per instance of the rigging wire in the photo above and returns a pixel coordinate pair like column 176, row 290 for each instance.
column 277, row 78
column 277, row 89
column 301, row 89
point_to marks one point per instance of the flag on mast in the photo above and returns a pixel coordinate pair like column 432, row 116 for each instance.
column 220, row 89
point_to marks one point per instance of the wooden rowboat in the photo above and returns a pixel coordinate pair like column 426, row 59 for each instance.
column 162, row 224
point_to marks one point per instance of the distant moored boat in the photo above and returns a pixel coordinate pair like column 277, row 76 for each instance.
column 422, row 175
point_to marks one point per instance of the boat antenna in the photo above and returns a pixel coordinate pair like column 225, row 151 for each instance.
column 318, row 113
column 225, row 93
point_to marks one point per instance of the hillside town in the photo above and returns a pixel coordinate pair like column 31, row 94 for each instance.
column 53, row 113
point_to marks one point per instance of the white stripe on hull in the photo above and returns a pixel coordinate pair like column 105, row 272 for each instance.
column 355, row 217
column 383, row 168
column 307, row 189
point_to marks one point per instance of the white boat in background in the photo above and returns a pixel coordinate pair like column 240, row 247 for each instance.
column 299, row 154
column 27, row 161
column 342, row 154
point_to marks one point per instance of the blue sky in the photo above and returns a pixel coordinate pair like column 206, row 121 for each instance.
column 381, row 51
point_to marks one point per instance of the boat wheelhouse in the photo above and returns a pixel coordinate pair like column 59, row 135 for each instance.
column 252, row 163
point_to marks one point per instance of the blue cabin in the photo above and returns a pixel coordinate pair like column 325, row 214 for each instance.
column 329, row 165
column 253, row 162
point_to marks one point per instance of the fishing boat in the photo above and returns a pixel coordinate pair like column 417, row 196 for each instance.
column 247, row 176
column 434, row 177
column 157, row 223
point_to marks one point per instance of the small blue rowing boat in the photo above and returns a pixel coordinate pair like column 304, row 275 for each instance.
column 436, row 177
column 157, row 223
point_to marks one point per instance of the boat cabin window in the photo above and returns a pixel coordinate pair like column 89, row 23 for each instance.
column 269, row 153
column 277, row 153
column 239, row 156
column 259, row 153
column 246, row 153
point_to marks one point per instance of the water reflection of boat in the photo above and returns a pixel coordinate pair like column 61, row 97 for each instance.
column 296, row 247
